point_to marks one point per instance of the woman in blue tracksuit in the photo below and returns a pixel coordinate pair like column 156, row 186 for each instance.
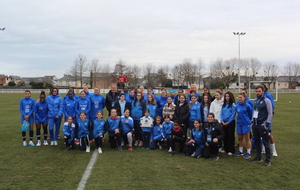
column 114, row 127
column 69, row 107
column 227, row 118
column 197, row 139
column 167, row 130
column 157, row 135
column 161, row 101
column 97, row 104
column 83, row 104
column 244, row 111
column 152, row 106
column 26, row 106
column 83, row 132
column 127, row 129
column 41, row 115
column 55, row 111
column 195, row 108
column 137, row 111
column 69, row 133
column 99, row 130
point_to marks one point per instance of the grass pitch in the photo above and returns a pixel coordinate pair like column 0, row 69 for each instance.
column 49, row 167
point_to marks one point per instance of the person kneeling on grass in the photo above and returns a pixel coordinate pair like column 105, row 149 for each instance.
column 167, row 130
column 99, row 131
column 114, row 126
column 197, row 139
column 177, row 135
column 127, row 129
column 69, row 133
column 214, row 135
column 157, row 135
column 83, row 132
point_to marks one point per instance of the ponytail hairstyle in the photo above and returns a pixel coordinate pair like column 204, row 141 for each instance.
column 42, row 94
column 243, row 94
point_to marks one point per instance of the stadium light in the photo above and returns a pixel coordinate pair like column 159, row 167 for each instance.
column 2, row 29
column 239, row 34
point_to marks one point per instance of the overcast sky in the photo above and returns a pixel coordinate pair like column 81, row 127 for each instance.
column 44, row 37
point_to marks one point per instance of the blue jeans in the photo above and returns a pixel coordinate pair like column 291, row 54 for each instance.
column 258, row 133
column 52, row 122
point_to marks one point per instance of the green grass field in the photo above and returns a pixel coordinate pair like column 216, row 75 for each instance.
column 52, row 168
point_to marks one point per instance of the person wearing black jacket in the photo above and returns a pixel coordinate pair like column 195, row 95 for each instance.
column 182, row 113
column 177, row 135
column 122, row 105
column 177, row 97
column 214, row 135
column 111, row 98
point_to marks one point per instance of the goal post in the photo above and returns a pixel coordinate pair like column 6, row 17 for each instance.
column 255, row 82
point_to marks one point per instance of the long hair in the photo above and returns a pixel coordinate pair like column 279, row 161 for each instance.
column 208, row 102
column 141, row 100
column 231, row 100
column 191, row 104
column 153, row 102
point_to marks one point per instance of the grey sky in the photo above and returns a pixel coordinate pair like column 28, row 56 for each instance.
column 44, row 37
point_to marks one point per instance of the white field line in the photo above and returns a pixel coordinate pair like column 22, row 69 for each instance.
column 87, row 172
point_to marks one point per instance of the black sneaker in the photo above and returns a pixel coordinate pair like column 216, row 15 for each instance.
column 267, row 164
column 216, row 158
column 172, row 153
column 256, row 160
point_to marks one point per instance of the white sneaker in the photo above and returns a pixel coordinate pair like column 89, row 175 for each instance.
column 122, row 143
column 52, row 143
column 136, row 143
column 38, row 143
column 45, row 143
column 141, row 143
column 55, row 143
column 170, row 149
column 229, row 154
column 275, row 154
column 87, row 149
column 193, row 154
column 263, row 151
column 99, row 150
column 31, row 143
column 24, row 143
column 160, row 147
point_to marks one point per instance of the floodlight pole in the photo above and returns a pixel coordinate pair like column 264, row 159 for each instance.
column 239, row 43
column 2, row 29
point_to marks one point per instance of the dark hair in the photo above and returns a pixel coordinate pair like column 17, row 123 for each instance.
column 153, row 102
column 54, row 88
column 158, row 117
column 122, row 94
column 261, row 87
column 192, row 91
column 176, row 121
column 43, row 94
column 147, row 110
column 100, row 112
column 82, row 91
column 212, row 114
column 221, row 90
column 209, row 100
column 126, row 110
column 265, row 87
column 181, row 90
column 141, row 100
column 167, row 116
column 71, row 117
column 231, row 100
column 83, row 113
column 183, row 96
column 243, row 94
column 70, row 93
column 28, row 91
column 191, row 104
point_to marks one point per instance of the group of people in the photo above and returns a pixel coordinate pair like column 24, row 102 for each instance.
column 203, row 125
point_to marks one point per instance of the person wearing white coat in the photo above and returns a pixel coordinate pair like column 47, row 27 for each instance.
column 216, row 106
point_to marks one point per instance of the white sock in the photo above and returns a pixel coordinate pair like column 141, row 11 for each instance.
column 273, row 147
column 249, row 151
column 241, row 149
column 129, row 137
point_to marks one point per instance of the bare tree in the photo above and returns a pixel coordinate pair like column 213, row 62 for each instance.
column 229, row 72
column 251, row 68
column 134, row 72
column 106, row 74
column 162, row 76
column 271, row 71
column 79, row 69
column 120, row 69
column 150, row 75
column 189, row 71
column 178, row 76
column 94, row 69
column 292, row 71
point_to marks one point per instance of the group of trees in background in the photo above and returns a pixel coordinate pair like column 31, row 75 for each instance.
column 219, row 72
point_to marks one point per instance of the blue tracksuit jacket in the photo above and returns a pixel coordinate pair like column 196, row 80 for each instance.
column 137, row 110
column 167, row 129
column 195, row 112
column 265, row 112
column 127, row 127
column 244, row 112
column 55, row 106
column 112, row 124
column 228, row 113
column 156, row 133
column 74, row 96
column 97, row 104
column 69, row 130
column 83, row 105
column 83, row 128
column 161, row 101
column 153, row 110
column 99, row 127
column 69, row 107
column 41, row 112
column 199, row 137
column 26, row 107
